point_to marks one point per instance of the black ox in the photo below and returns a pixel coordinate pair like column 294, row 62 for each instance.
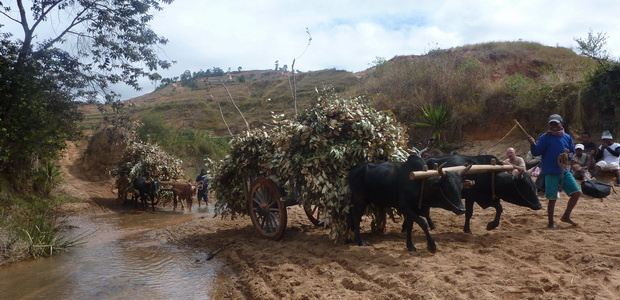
column 486, row 191
column 147, row 190
column 387, row 184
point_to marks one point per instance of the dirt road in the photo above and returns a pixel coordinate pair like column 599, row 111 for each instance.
column 521, row 259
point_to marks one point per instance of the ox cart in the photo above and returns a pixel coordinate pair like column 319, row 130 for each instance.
column 269, row 214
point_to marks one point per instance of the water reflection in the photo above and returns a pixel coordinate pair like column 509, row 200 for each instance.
column 119, row 261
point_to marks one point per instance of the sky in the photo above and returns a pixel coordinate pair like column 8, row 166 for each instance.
column 350, row 35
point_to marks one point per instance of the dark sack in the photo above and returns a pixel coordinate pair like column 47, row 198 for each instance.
column 595, row 188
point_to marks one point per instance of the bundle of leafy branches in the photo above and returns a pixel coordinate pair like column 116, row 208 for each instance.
column 148, row 160
column 312, row 155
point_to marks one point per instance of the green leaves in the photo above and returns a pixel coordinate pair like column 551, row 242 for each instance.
column 436, row 117
column 310, row 156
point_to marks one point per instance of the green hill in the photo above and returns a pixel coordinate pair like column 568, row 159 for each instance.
column 484, row 86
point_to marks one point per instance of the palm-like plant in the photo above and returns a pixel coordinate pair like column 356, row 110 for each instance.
column 436, row 117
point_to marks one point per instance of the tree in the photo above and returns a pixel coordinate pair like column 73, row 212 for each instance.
column 594, row 47
column 96, row 43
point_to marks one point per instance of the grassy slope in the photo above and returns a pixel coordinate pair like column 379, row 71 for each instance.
column 483, row 84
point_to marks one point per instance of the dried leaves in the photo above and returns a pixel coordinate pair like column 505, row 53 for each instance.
column 312, row 155
column 145, row 159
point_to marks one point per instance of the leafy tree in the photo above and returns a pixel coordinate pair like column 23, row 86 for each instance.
column 378, row 61
column 594, row 47
column 96, row 43
column 217, row 71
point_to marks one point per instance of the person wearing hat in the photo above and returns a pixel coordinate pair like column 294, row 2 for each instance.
column 580, row 158
column 608, row 156
column 550, row 146
column 580, row 163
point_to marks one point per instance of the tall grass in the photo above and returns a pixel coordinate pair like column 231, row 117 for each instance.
column 29, row 227
column 480, row 84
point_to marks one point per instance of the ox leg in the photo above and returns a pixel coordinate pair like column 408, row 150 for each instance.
column 174, row 201
column 469, row 212
column 355, row 218
column 426, row 211
column 153, row 199
column 411, row 217
column 189, row 202
column 408, row 227
column 498, row 214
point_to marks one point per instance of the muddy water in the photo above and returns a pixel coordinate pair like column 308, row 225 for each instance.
column 119, row 261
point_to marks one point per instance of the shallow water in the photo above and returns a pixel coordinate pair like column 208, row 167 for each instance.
column 117, row 262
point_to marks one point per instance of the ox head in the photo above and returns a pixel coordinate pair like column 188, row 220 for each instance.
column 446, row 191
column 518, row 190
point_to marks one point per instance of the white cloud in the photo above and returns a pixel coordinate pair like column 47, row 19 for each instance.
column 348, row 34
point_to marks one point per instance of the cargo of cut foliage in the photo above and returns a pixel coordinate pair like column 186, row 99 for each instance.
column 149, row 160
column 311, row 155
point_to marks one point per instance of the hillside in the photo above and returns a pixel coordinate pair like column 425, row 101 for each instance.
column 483, row 86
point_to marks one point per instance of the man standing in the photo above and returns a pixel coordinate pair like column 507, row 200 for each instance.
column 551, row 145
column 203, row 186
column 609, row 155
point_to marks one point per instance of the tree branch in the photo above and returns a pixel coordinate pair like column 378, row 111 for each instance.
column 235, row 104
column 76, row 21
column 9, row 17
column 222, row 114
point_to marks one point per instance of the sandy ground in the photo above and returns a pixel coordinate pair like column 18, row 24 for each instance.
column 521, row 259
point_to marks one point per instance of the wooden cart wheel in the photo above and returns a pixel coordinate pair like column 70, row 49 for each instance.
column 314, row 213
column 268, row 213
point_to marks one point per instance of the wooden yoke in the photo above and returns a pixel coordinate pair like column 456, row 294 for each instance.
column 475, row 169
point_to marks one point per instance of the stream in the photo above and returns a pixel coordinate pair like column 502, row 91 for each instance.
column 118, row 261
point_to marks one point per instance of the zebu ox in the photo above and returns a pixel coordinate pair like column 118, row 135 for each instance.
column 489, row 188
column 183, row 191
column 387, row 184
column 146, row 191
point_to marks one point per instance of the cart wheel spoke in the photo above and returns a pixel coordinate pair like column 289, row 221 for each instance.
column 267, row 211
column 314, row 213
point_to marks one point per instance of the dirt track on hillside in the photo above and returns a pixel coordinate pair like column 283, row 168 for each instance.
column 521, row 259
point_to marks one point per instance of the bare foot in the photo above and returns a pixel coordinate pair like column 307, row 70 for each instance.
column 568, row 220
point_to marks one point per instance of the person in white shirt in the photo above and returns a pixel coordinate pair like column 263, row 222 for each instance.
column 517, row 162
column 608, row 156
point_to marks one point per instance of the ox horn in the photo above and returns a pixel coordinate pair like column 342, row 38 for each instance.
column 467, row 167
column 440, row 170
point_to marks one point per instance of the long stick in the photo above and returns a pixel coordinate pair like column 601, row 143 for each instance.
column 235, row 104
column 222, row 114
column 507, row 134
column 522, row 128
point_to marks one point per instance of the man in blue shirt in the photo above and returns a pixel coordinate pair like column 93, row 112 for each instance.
column 203, row 186
column 551, row 145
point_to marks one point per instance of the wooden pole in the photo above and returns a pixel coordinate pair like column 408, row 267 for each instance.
column 475, row 169
column 522, row 128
